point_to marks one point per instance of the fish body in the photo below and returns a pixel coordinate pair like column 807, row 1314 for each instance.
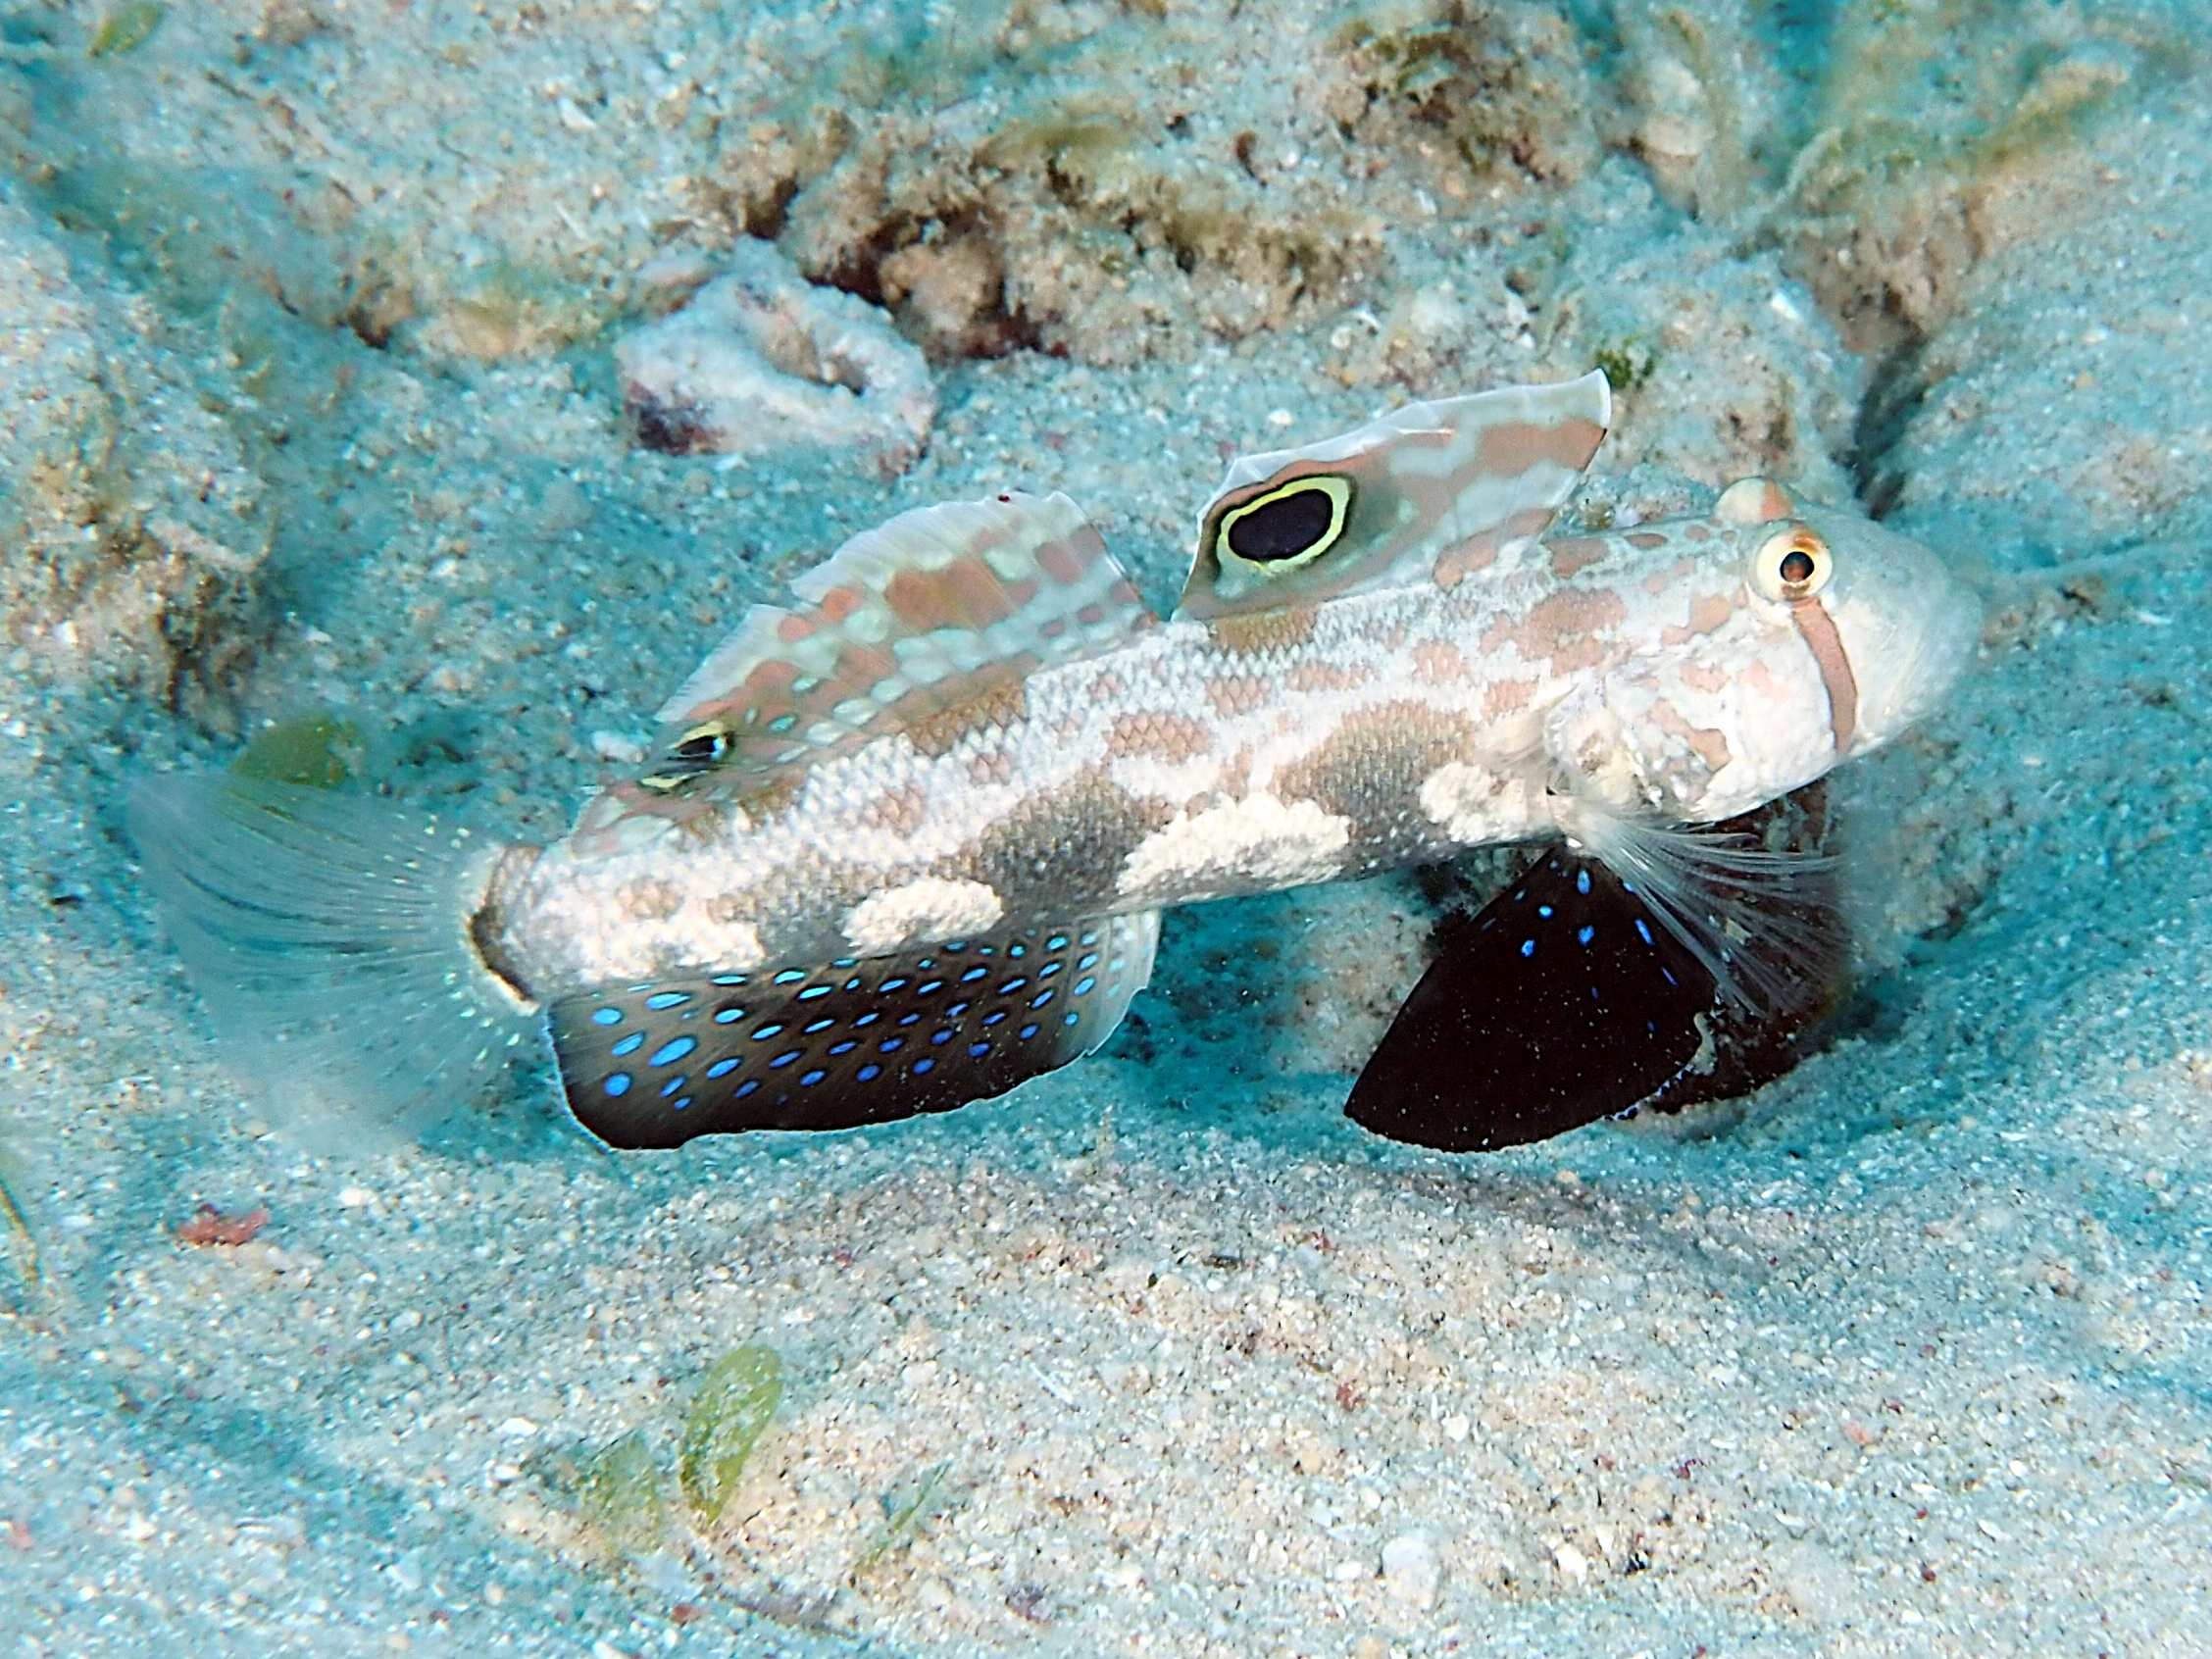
column 968, row 737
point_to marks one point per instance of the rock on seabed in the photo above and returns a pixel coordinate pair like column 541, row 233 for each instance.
column 762, row 361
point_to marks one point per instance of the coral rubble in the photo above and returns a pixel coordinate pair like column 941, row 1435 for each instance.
column 761, row 360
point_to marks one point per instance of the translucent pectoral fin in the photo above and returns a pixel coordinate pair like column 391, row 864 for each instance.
column 860, row 1041
column 329, row 933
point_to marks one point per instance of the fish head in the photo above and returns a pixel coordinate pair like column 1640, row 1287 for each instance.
column 1771, row 641
column 1904, row 623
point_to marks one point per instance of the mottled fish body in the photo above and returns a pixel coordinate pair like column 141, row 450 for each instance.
column 905, row 842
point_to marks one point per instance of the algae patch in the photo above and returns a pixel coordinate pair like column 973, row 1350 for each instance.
column 616, row 1494
column 322, row 751
column 619, row 1489
column 21, row 1243
column 735, row 1402
column 1627, row 363
column 126, row 28
column 902, row 1514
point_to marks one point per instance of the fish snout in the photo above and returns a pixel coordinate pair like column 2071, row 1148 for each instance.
column 1904, row 623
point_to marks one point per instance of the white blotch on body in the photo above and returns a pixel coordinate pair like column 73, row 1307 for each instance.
column 930, row 908
column 598, row 942
column 1259, row 842
column 1474, row 803
column 723, row 945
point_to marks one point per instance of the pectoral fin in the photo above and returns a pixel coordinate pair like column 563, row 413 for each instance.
column 1571, row 998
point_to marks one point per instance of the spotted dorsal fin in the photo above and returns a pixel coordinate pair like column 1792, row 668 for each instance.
column 1433, row 492
column 930, row 624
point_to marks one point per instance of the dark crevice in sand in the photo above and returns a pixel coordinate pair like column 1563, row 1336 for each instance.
column 1897, row 385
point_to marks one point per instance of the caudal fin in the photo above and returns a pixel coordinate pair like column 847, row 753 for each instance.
column 329, row 935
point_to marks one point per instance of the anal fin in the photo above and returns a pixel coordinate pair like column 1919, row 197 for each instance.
column 1569, row 1000
column 859, row 1042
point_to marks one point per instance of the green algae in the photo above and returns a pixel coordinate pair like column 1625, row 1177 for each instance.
column 619, row 1488
column 1506, row 92
column 618, row 1491
column 25, row 1250
column 322, row 751
column 1879, row 99
column 126, row 28
column 902, row 1515
column 726, row 1417
column 1627, row 363
column 1957, row 86
column 515, row 309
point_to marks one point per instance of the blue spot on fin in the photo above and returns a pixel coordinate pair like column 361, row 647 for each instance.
column 814, row 1075
column 1503, row 1043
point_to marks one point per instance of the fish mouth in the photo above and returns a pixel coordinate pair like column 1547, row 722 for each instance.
column 1922, row 666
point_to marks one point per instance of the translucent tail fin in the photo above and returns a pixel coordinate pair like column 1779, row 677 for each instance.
column 329, row 935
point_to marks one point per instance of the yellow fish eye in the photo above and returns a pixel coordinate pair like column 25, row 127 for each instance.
column 1791, row 566
column 1287, row 527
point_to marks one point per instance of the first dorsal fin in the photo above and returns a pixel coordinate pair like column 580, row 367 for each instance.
column 941, row 614
column 1433, row 492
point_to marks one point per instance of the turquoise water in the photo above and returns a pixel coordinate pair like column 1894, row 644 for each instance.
column 308, row 365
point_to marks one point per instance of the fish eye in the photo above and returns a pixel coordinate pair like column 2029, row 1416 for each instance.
column 1791, row 566
column 1289, row 526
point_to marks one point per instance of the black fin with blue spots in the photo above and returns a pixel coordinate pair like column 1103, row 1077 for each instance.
column 859, row 1042
column 1570, row 999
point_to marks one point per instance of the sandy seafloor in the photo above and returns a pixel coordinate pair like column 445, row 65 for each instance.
column 305, row 323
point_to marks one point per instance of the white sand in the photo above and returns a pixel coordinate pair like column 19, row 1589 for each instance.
column 1911, row 1359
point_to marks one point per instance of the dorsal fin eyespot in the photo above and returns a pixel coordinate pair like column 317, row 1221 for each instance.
column 1283, row 526
column 1431, row 491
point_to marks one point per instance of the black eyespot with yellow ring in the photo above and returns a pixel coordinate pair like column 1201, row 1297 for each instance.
column 1291, row 526
column 1791, row 566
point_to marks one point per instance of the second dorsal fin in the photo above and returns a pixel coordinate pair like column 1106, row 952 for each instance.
column 1433, row 492
column 929, row 624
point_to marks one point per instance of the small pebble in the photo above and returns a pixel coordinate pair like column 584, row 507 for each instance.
column 1411, row 1570
column 1574, row 1566
column 618, row 748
